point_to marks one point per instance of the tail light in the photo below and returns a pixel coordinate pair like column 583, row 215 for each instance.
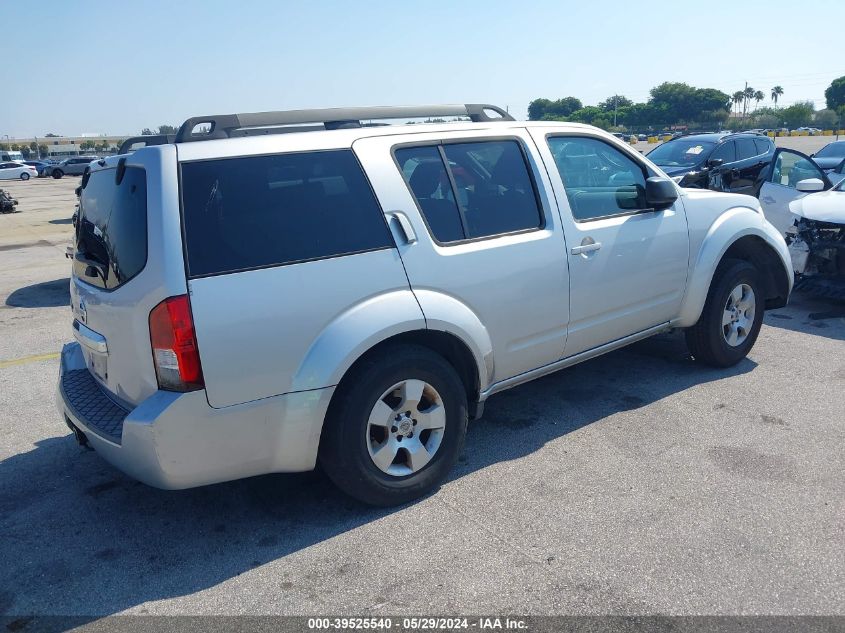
column 174, row 342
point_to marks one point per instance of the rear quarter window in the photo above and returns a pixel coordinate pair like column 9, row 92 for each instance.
column 258, row 211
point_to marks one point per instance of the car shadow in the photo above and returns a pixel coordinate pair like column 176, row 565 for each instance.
column 48, row 294
column 81, row 538
column 810, row 315
column 62, row 221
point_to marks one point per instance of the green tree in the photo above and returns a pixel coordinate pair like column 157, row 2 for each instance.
column 16, row 147
column 738, row 97
column 147, row 132
column 167, row 129
column 826, row 119
column 798, row 114
column 615, row 102
column 33, row 146
column 43, row 151
column 51, row 135
column 87, row 145
column 835, row 93
column 777, row 93
column 748, row 94
column 758, row 97
column 541, row 109
column 26, row 152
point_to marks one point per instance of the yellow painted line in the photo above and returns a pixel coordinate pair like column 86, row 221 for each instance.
column 28, row 359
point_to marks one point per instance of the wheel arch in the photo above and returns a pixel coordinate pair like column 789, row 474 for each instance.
column 740, row 233
column 445, row 344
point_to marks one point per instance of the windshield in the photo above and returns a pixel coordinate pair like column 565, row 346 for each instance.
column 681, row 153
column 834, row 150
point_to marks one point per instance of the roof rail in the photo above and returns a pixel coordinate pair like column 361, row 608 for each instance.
column 226, row 125
column 144, row 141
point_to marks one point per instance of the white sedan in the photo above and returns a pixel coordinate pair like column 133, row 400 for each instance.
column 13, row 171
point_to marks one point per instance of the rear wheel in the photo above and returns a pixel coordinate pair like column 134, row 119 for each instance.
column 395, row 427
column 58, row 173
column 25, row 176
column 732, row 316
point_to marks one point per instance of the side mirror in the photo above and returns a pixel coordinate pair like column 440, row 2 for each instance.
column 715, row 162
column 809, row 185
column 660, row 193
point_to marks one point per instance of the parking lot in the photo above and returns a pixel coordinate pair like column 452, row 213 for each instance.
column 636, row 483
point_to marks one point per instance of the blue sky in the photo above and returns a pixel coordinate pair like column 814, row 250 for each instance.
column 114, row 67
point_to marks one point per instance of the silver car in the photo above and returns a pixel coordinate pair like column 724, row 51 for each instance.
column 70, row 166
column 275, row 290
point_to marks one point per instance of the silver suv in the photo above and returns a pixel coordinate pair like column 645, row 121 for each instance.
column 274, row 290
column 70, row 166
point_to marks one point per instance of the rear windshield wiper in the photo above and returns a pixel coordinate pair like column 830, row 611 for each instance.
column 99, row 267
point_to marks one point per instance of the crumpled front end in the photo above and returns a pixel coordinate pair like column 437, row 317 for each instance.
column 818, row 257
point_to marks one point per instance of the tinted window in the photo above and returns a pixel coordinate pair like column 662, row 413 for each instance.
column 745, row 148
column 243, row 213
column 599, row 179
column 725, row 151
column 111, row 245
column 482, row 189
column 790, row 168
column 762, row 145
column 428, row 179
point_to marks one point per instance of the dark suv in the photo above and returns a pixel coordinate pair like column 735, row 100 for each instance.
column 722, row 162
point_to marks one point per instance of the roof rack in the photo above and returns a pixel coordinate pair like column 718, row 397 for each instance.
column 204, row 128
column 144, row 141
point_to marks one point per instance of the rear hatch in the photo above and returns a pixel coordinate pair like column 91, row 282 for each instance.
column 126, row 246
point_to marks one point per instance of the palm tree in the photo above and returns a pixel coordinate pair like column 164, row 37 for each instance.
column 738, row 98
column 758, row 97
column 777, row 91
column 748, row 93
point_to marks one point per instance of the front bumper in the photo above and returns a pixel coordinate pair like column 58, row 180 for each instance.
column 177, row 440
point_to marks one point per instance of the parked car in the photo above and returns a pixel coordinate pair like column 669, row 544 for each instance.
column 790, row 177
column 723, row 162
column 830, row 156
column 71, row 166
column 39, row 165
column 353, row 294
column 817, row 243
column 13, row 170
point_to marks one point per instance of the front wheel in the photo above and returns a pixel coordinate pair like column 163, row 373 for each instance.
column 58, row 173
column 731, row 318
column 396, row 426
column 24, row 176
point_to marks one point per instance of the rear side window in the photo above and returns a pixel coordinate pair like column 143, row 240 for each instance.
column 111, row 239
column 471, row 190
column 258, row 211
column 745, row 148
column 762, row 145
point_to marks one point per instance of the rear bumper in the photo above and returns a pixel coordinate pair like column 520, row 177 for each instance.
column 176, row 440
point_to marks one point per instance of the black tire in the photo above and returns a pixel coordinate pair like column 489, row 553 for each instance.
column 58, row 173
column 706, row 339
column 344, row 454
column 24, row 176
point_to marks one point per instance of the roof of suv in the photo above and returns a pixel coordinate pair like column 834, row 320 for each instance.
column 715, row 137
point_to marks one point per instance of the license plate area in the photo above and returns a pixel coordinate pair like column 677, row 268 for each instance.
column 98, row 364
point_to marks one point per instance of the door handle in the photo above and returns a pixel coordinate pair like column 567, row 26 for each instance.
column 398, row 217
column 586, row 247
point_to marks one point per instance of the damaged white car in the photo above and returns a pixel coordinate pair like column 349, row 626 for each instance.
column 817, row 239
